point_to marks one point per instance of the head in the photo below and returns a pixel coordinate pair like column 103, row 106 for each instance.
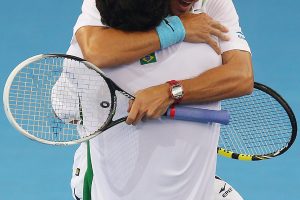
column 140, row 15
column 132, row 15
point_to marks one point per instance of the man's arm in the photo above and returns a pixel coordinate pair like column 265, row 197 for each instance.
column 108, row 47
column 232, row 79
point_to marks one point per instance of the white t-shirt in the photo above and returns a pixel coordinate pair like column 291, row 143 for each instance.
column 157, row 159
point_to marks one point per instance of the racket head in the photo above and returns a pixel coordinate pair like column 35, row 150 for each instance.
column 32, row 106
column 262, row 126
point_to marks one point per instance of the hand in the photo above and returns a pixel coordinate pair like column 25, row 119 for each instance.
column 201, row 27
column 149, row 103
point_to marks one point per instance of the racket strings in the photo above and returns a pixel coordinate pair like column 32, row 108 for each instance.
column 28, row 99
column 122, row 105
column 44, row 99
column 96, row 100
column 257, row 127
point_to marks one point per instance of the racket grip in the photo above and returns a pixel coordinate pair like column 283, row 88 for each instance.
column 198, row 115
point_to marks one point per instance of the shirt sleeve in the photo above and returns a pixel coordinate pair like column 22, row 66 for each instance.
column 89, row 16
column 225, row 12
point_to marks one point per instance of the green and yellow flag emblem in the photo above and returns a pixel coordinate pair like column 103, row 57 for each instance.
column 151, row 58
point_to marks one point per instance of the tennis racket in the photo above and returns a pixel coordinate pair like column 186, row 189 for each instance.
column 48, row 95
column 262, row 126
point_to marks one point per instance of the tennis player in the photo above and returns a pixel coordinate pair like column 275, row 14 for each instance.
column 158, row 158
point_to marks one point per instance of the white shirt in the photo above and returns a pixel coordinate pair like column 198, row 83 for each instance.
column 158, row 159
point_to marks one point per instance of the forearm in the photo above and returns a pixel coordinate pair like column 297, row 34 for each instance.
column 107, row 47
column 232, row 79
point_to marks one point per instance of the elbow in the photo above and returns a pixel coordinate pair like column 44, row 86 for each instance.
column 95, row 55
column 242, row 79
column 248, row 85
column 246, row 82
column 93, row 49
column 239, row 68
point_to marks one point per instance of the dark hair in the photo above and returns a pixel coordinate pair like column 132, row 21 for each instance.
column 132, row 15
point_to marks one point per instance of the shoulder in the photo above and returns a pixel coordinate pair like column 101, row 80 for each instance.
column 221, row 10
column 216, row 3
column 216, row 7
column 89, row 8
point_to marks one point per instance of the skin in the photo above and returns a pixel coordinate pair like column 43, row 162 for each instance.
column 231, row 79
column 101, row 45
column 178, row 7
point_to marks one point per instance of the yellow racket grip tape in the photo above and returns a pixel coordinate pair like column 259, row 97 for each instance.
column 230, row 154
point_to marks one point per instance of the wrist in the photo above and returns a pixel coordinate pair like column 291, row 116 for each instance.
column 170, row 31
column 176, row 91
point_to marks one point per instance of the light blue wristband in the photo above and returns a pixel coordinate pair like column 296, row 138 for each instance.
column 170, row 31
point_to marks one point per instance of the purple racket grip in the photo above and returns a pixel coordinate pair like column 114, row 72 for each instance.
column 198, row 115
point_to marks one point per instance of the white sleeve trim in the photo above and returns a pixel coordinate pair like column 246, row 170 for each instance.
column 224, row 12
column 237, row 42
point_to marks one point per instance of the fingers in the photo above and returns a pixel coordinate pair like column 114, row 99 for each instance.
column 216, row 25
column 138, row 118
column 149, row 103
column 134, row 114
column 201, row 28
column 219, row 26
column 137, row 114
column 213, row 45
column 219, row 33
column 129, row 105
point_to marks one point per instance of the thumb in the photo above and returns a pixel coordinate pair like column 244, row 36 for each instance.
column 129, row 105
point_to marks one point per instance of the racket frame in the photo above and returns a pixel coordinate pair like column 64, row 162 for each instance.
column 107, row 124
column 6, row 95
column 291, row 115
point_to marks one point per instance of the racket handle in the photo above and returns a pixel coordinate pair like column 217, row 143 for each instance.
column 198, row 115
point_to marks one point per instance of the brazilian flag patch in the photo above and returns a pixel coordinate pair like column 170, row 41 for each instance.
column 151, row 58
